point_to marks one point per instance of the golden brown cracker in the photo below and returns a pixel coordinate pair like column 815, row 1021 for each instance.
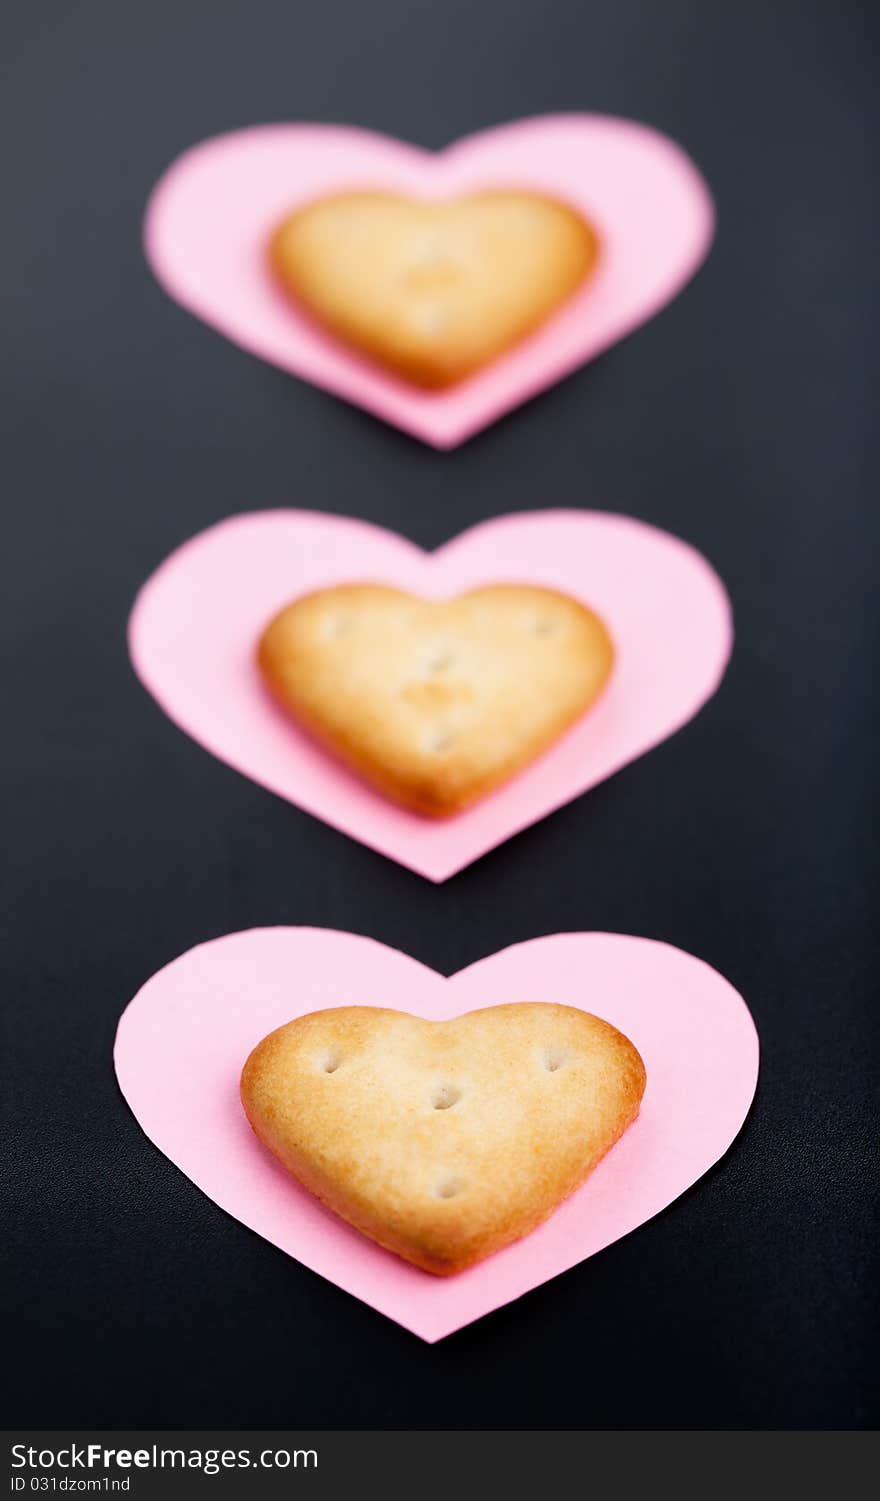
column 443, row 1141
column 436, row 704
column 433, row 291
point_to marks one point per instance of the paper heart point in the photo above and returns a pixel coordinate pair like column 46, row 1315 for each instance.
column 443, row 1141
column 436, row 703
column 433, row 291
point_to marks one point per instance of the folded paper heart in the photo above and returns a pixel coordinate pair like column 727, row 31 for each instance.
column 181, row 1043
column 434, row 703
column 195, row 623
column 443, row 1141
column 433, row 290
column 215, row 211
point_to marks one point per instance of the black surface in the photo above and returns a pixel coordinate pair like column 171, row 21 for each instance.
column 738, row 419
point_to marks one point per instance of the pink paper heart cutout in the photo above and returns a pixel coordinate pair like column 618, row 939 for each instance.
column 196, row 622
column 211, row 215
column 182, row 1041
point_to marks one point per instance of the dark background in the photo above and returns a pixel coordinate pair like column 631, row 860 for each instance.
column 737, row 419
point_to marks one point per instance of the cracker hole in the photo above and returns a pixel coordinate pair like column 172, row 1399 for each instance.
column 432, row 267
column 331, row 1062
column 430, row 321
column 445, row 1097
column 555, row 1059
column 440, row 663
column 435, row 250
column 339, row 625
column 545, row 627
column 448, row 1188
column 439, row 741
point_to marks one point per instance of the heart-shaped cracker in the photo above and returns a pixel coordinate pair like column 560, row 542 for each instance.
column 443, row 1141
column 436, row 703
column 434, row 291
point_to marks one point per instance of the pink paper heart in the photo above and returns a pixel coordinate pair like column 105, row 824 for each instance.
column 211, row 215
column 182, row 1041
column 196, row 622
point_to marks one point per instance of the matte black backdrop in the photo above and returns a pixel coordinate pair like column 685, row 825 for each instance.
column 737, row 419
